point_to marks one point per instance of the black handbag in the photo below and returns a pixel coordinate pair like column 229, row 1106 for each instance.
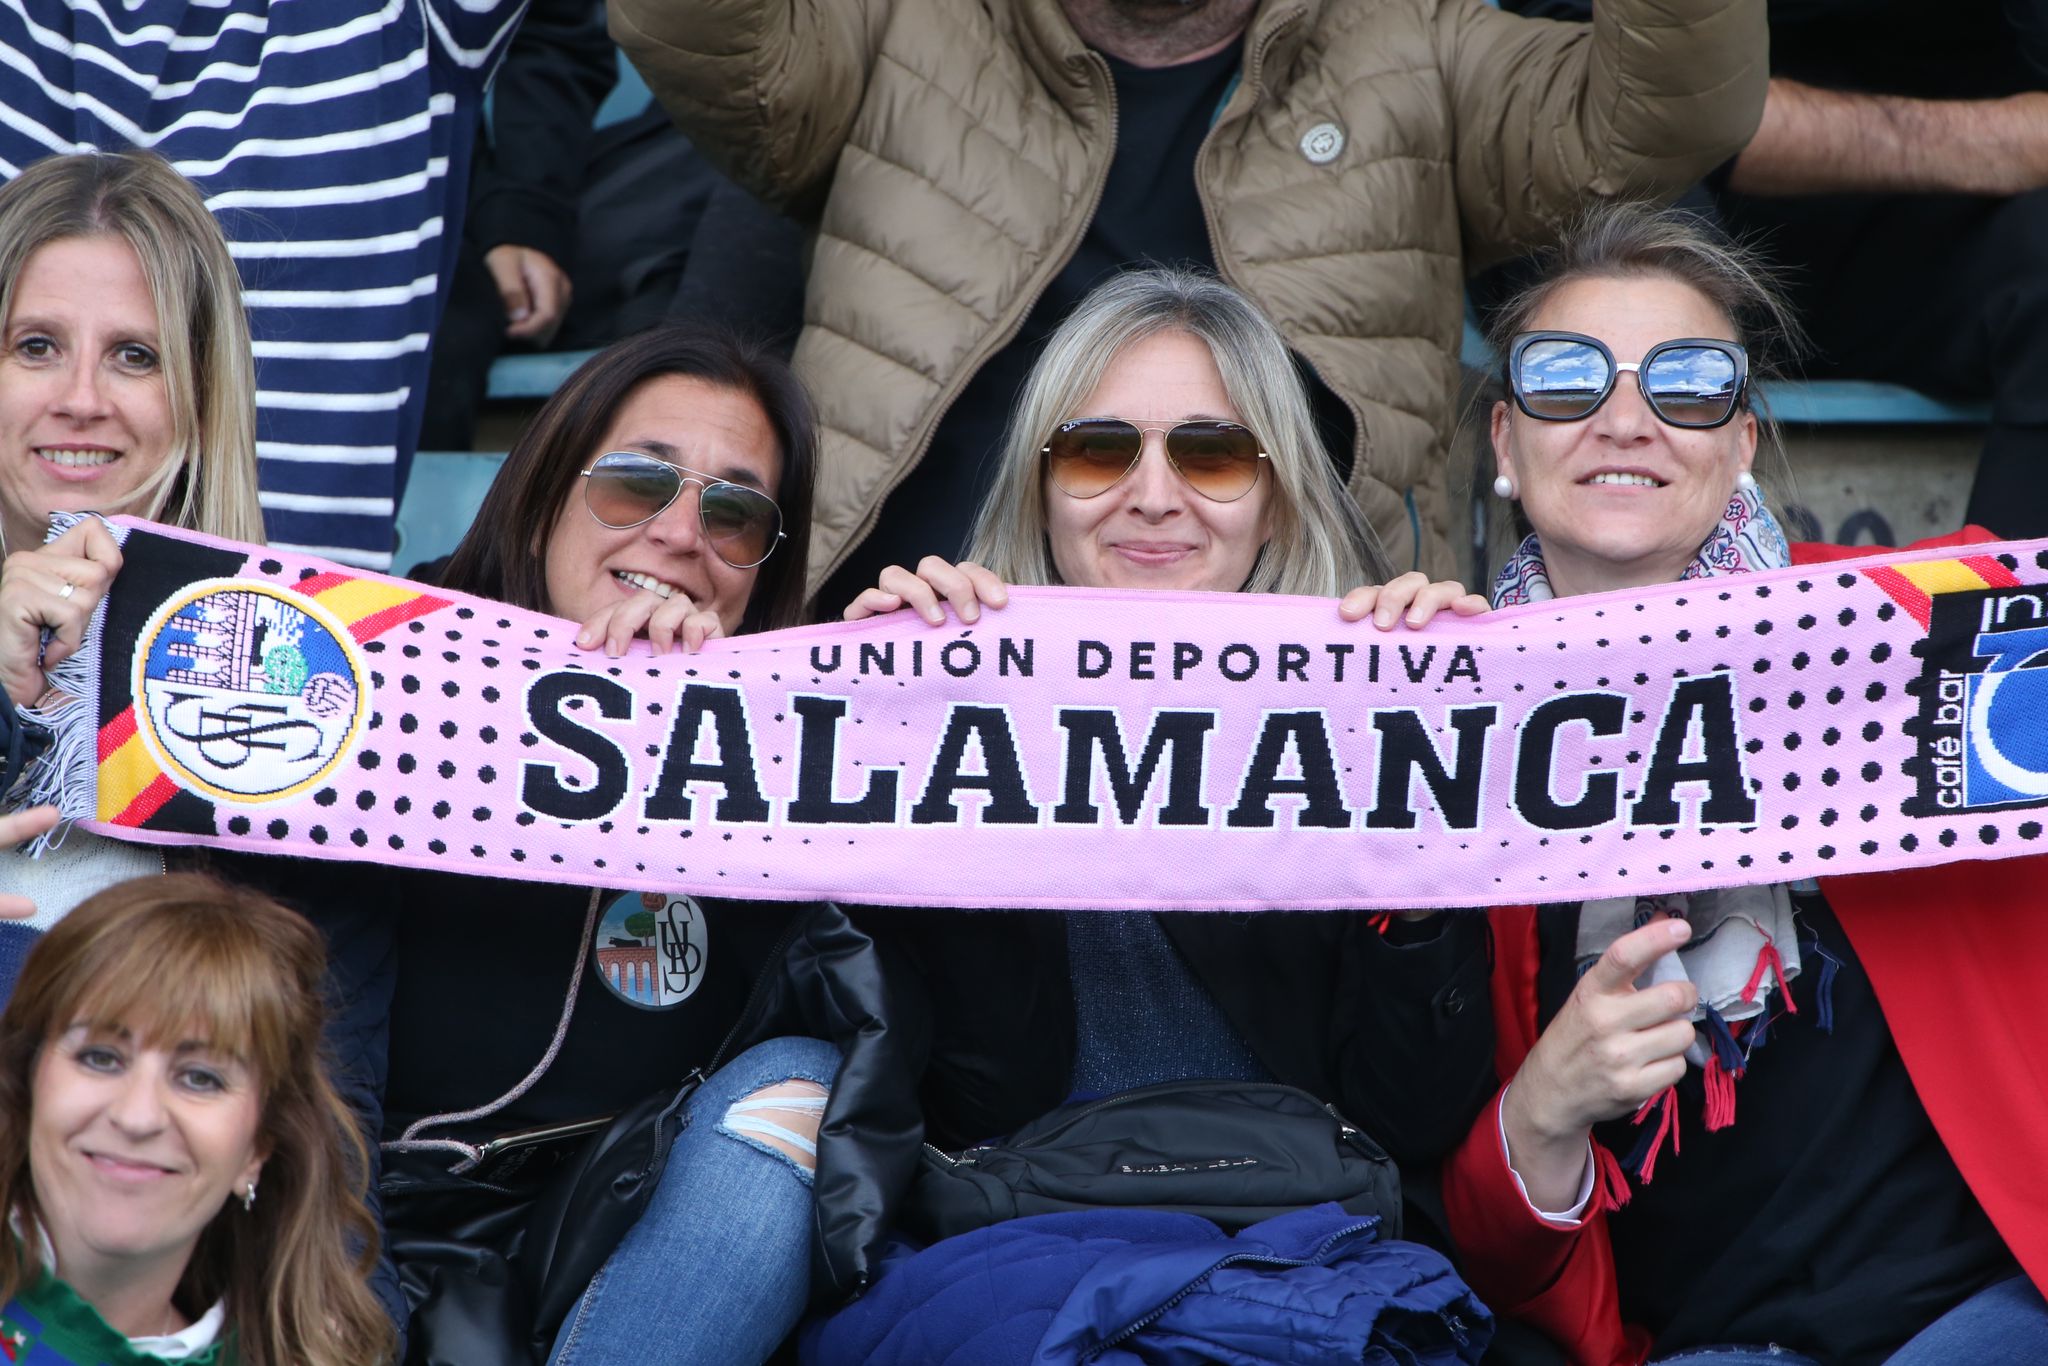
column 1234, row 1152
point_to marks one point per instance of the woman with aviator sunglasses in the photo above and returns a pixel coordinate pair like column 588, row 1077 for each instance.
column 1164, row 441
column 1827, row 1154
column 664, row 491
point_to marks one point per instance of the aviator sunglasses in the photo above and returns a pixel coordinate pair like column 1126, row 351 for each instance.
column 1219, row 460
column 624, row 489
column 1688, row 382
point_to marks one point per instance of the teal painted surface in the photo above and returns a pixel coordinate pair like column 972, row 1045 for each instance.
column 441, row 499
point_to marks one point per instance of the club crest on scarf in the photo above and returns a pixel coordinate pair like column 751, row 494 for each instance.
column 246, row 695
column 651, row 949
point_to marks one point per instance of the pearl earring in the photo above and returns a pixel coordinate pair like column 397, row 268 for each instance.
column 249, row 1197
column 1746, row 482
column 1503, row 487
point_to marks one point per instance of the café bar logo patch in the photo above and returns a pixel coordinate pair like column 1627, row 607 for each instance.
column 246, row 692
column 1984, row 695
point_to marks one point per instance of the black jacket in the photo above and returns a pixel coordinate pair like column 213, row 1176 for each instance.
column 482, row 967
column 1396, row 1030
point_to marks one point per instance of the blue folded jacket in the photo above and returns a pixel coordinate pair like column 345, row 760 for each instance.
column 1120, row 1287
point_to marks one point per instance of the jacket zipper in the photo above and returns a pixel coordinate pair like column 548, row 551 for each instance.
column 963, row 1160
column 1159, row 1311
column 999, row 340
column 1253, row 70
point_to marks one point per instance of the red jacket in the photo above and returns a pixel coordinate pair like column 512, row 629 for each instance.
column 1963, row 1007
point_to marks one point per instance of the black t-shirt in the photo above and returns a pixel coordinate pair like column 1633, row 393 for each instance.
column 483, row 969
column 1150, row 214
column 1829, row 1218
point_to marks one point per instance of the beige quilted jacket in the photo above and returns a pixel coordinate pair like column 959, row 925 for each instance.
column 951, row 153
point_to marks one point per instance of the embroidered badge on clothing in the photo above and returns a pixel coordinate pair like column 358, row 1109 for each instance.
column 1322, row 143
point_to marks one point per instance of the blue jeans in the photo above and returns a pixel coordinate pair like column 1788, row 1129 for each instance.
column 2003, row 1322
column 718, row 1267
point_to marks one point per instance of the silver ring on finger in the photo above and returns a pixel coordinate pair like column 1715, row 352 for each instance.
column 68, row 589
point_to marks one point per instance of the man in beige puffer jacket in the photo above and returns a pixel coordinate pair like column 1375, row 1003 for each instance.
column 953, row 155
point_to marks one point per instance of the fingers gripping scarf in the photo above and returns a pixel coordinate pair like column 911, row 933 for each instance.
column 1745, row 943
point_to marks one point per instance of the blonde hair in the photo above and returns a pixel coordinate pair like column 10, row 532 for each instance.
column 1319, row 543
column 209, row 481
column 182, row 956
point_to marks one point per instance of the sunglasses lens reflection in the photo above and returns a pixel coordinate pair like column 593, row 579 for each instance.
column 1220, row 460
column 1087, row 457
column 1691, row 386
column 1562, row 380
column 741, row 523
column 624, row 490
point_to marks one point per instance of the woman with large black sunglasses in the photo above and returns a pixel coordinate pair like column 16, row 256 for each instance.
column 1872, row 1204
column 664, row 493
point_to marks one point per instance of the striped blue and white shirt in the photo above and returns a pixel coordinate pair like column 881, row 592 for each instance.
column 331, row 139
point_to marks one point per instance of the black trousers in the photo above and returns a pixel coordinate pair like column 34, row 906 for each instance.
column 1945, row 293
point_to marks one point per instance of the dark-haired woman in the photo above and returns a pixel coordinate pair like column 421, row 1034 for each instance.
column 663, row 492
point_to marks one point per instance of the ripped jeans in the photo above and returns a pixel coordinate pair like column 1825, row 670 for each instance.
column 718, row 1267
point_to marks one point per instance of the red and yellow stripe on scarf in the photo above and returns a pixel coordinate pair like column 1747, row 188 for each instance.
column 1915, row 586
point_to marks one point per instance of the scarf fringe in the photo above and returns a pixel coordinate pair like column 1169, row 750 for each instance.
column 1610, row 1183
column 1824, row 989
column 1642, row 1160
column 66, row 775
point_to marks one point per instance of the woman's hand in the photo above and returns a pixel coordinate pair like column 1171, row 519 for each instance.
column 1411, row 598
column 53, row 587
column 14, row 828
column 965, row 586
column 667, row 621
column 1610, row 1049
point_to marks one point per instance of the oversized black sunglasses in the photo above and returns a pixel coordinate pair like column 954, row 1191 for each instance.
column 1688, row 382
column 624, row 489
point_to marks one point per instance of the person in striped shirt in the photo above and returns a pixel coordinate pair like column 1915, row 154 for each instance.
column 332, row 143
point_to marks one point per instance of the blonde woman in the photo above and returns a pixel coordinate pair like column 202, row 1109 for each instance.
column 1164, row 442
column 181, row 1180
column 126, row 386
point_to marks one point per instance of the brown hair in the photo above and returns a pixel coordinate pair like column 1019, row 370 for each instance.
column 504, row 555
column 209, row 482
column 184, row 956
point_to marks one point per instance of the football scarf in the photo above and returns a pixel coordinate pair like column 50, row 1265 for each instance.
column 1079, row 748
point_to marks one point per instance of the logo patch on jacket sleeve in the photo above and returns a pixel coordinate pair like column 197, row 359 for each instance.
column 1322, row 143
column 651, row 949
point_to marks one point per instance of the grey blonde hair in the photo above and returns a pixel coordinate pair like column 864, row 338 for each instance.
column 1642, row 241
column 1320, row 543
column 208, row 483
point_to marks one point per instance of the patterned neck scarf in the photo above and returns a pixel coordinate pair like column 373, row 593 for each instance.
column 1747, row 538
